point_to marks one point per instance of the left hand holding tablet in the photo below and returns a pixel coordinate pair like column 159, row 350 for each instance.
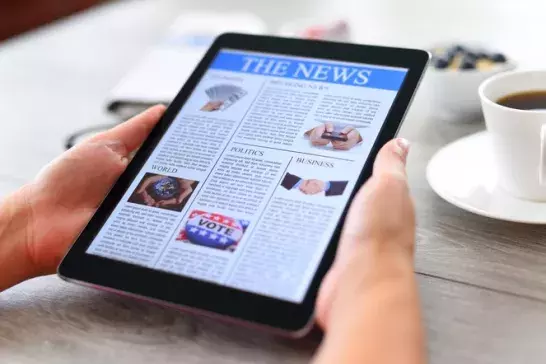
column 66, row 193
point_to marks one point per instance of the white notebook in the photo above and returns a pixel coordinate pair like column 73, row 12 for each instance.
column 158, row 77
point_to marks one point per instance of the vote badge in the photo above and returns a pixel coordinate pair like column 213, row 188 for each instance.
column 213, row 230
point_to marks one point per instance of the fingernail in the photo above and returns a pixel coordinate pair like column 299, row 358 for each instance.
column 403, row 147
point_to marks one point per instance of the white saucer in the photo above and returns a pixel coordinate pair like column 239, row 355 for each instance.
column 463, row 173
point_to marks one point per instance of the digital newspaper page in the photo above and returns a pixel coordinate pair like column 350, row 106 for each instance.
column 247, row 185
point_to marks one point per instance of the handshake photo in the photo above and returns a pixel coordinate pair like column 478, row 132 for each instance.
column 313, row 186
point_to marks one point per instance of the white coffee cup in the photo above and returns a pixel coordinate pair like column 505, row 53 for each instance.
column 518, row 136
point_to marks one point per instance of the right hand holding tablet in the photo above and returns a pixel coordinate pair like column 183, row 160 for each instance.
column 368, row 302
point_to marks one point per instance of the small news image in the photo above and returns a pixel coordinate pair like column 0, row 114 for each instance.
column 213, row 230
column 164, row 192
column 334, row 136
column 222, row 96
column 312, row 186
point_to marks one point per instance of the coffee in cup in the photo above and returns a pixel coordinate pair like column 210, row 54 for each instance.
column 527, row 100
column 514, row 106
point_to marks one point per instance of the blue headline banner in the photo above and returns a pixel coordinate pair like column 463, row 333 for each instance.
column 338, row 73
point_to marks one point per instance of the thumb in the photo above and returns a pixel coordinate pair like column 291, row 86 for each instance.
column 84, row 174
column 381, row 216
column 379, row 199
column 132, row 133
column 346, row 130
column 391, row 160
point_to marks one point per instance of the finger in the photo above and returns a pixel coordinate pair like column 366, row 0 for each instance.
column 313, row 188
column 153, row 179
column 132, row 133
column 147, row 182
column 316, row 186
column 319, row 130
column 168, row 202
column 347, row 130
column 388, row 199
column 183, row 195
column 353, row 135
column 391, row 159
column 329, row 127
column 144, row 186
column 383, row 192
column 82, row 175
column 148, row 199
column 340, row 145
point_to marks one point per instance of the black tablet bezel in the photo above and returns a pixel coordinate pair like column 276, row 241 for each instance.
column 209, row 297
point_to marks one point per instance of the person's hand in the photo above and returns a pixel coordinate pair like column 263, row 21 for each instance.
column 353, row 138
column 316, row 134
column 368, row 302
column 67, row 192
column 212, row 106
column 312, row 186
column 186, row 190
column 143, row 190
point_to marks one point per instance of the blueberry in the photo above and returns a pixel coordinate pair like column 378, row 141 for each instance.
column 450, row 54
column 441, row 63
column 457, row 48
column 468, row 63
column 498, row 57
column 471, row 55
column 480, row 55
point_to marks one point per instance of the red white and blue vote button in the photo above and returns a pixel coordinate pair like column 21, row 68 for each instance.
column 213, row 230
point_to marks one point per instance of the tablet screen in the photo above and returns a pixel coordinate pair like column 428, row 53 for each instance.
column 247, row 185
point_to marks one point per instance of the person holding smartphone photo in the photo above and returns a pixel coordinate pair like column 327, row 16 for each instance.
column 368, row 304
column 341, row 136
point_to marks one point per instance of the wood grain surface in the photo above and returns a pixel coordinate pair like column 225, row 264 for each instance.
column 46, row 320
column 459, row 245
column 482, row 281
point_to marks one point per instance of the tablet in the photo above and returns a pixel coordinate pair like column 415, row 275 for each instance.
column 234, row 204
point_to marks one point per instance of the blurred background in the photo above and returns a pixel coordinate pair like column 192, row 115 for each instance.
column 62, row 62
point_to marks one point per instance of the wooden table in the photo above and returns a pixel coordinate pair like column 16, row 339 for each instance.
column 482, row 281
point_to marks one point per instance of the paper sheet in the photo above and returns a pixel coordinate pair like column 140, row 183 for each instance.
column 159, row 76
